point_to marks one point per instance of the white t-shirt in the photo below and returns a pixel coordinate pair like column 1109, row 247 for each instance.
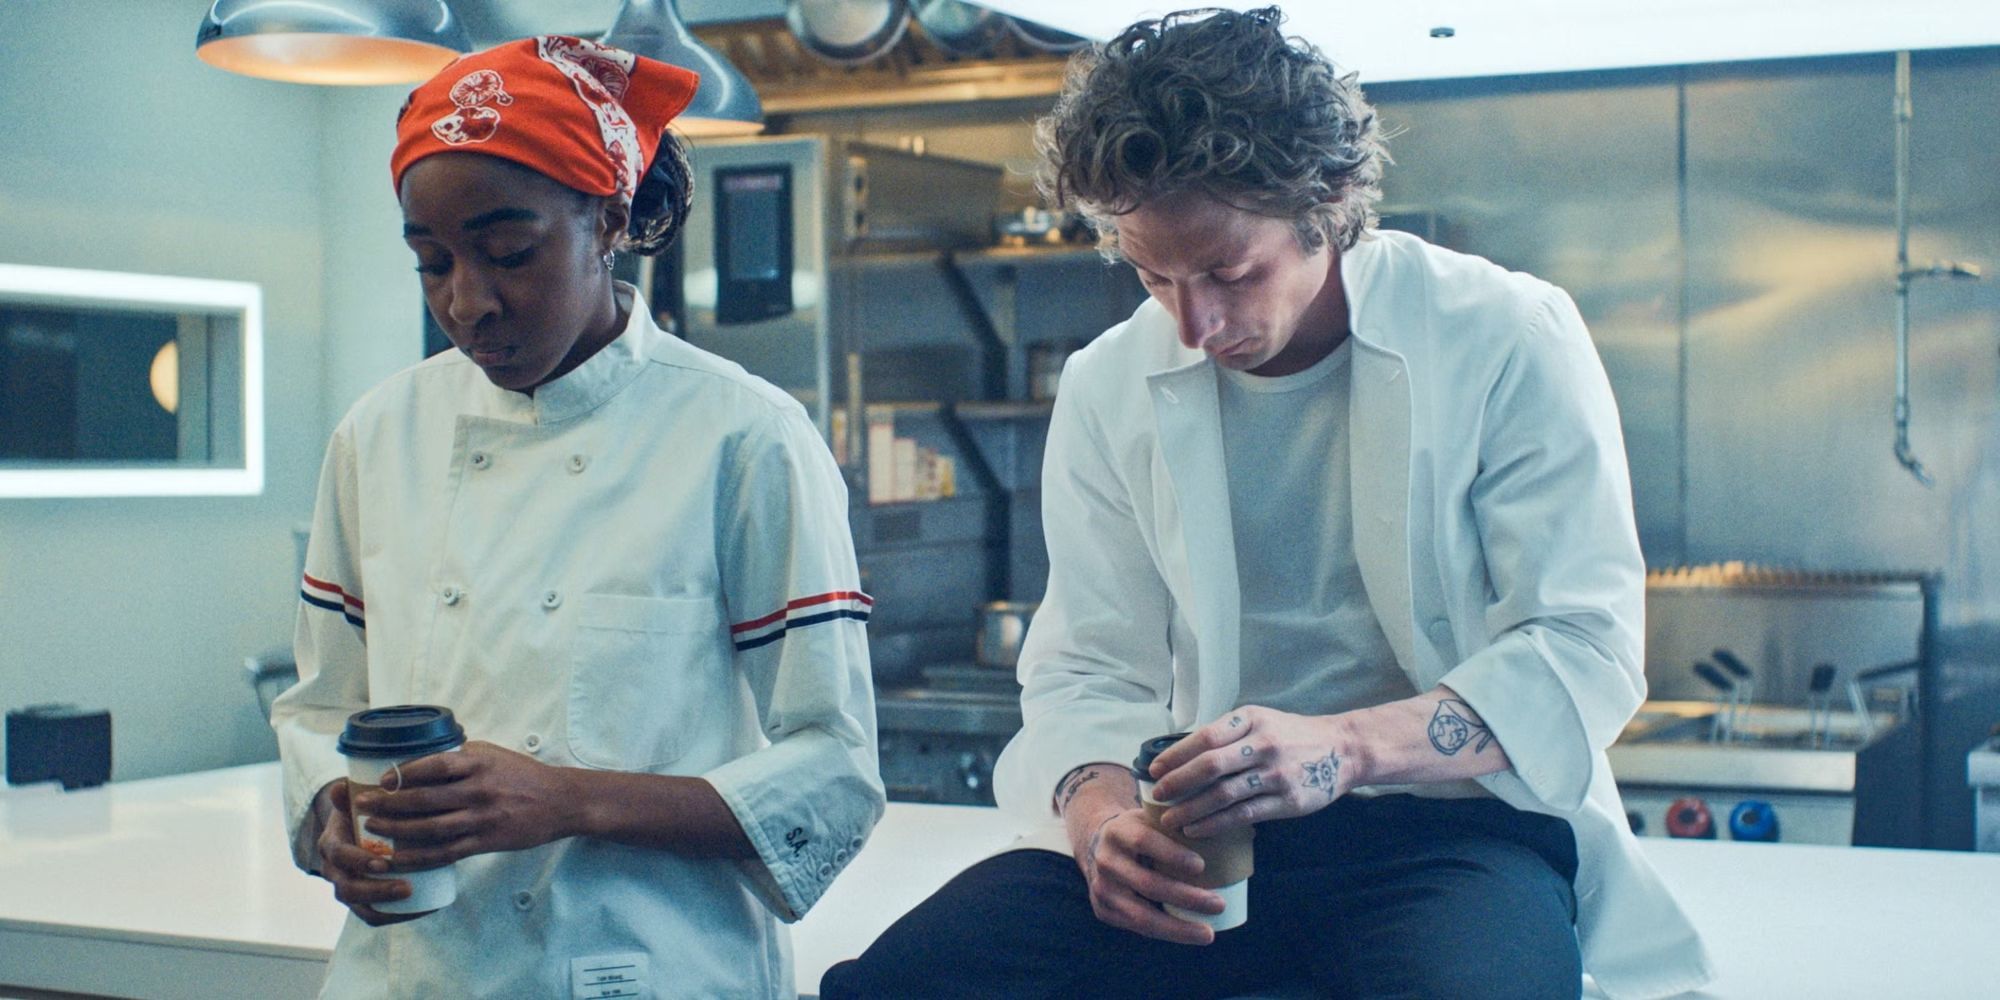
column 1311, row 642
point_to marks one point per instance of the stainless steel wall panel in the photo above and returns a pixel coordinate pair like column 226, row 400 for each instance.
column 1791, row 252
column 1575, row 180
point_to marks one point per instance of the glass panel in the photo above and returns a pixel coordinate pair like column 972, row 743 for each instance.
column 128, row 385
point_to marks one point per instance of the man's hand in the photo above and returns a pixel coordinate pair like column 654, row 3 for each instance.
column 482, row 799
column 347, row 866
column 1130, row 866
column 1252, row 765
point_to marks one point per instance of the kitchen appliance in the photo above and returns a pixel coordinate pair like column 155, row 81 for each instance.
column 1793, row 702
column 59, row 742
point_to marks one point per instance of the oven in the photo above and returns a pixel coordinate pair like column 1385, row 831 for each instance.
column 1784, row 706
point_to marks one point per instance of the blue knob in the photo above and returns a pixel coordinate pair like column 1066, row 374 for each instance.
column 1753, row 819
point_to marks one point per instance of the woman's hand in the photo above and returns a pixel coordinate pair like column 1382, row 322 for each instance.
column 347, row 866
column 1252, row 765
column 482, row 799
column 1130, row 866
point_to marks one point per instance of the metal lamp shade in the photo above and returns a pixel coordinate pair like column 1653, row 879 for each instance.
column 724, row 104
column 358, row 42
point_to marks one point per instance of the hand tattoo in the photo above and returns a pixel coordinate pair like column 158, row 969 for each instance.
column 1324, row 774
column 1454, row 725
column 1235, row 722
column 1089, row 858
column 1254, row 781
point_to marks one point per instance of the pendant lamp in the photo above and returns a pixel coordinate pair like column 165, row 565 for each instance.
column 332, row 41
column 724, row 104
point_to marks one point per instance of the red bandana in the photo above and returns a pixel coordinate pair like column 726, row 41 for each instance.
column 587, row 115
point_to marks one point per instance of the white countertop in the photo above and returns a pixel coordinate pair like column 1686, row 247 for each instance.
column 182, row 887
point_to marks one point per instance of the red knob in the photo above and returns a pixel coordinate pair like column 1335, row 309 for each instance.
column 1689, row 817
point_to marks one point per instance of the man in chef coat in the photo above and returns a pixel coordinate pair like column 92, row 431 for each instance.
column 1352, row 508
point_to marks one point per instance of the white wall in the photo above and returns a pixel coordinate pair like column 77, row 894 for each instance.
column 374, row 309
column 119, row 150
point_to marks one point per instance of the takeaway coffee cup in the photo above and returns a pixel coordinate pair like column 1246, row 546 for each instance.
column 1227, row 861
column 384, row 739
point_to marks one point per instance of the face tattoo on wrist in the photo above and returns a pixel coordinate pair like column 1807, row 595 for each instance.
column 1454, row 725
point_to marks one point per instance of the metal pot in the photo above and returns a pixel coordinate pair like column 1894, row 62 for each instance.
column 1045, row 367
column 848, row 32
column 1002, row 626
column 960, row 28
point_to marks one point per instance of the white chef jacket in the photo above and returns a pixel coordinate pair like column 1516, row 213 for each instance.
column 1492, row 521
column 645, row 566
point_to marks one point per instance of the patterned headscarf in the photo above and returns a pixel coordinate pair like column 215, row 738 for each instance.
column 587, row 115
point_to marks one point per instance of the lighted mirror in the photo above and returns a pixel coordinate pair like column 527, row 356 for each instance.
column 129, row 384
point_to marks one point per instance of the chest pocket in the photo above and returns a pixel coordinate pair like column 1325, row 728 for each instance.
column 642, row 671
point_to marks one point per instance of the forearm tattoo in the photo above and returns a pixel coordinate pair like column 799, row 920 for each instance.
column 1072, row 786
column 1324, row 774
column 1454, row 725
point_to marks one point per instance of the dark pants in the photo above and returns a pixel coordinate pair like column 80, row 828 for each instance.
column 1394, row 896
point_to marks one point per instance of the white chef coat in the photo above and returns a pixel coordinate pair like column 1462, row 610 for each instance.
column 1492, row 522
column 645, row 566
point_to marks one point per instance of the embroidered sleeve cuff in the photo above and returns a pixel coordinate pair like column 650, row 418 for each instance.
column 805, row 831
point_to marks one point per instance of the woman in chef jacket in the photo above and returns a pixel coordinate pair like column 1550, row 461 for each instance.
column 621, row 561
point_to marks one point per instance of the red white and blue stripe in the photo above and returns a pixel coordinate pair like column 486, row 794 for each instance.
column 830, row 606
column 321, row 594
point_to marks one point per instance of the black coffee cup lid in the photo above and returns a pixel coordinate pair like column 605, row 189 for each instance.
column 400, row 731
column 1153, row 748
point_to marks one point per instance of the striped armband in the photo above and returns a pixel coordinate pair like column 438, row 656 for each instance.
column 329, row 596
column 800, row 613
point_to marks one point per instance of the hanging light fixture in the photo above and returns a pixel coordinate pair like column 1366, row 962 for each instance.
column 331, row 41
column 724, row 104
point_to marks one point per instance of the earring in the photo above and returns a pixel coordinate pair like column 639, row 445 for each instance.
column 609, row 255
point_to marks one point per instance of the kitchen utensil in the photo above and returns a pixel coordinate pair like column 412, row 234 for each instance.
column 961, row 28
column 1737, row 669
column 1045, row 367
column 1002, row 626
column 848, row 32
column 1722, row 727
column 1819, row 703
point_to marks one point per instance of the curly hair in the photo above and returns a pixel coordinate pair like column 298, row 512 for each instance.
column 660, row 207
column 1218, row 102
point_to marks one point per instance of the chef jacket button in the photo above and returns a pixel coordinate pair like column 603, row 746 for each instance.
column 524, row 901
column 532, row 742
column 854, row 844
column 451, row 594
column 481, row 460
column 826, row 871
column 579, row 462
column 840, row 856
column 1440, row 631
column 551, row 599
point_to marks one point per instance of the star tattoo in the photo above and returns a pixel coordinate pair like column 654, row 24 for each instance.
column 1324, row 774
